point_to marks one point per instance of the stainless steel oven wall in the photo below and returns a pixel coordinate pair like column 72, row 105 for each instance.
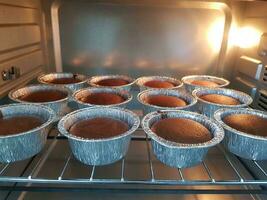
column 100, row 38
column 251, row 63
column 22, row 43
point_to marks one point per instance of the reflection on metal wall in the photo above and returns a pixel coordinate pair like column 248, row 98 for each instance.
column 21, row 43
column 251, row 64
column 137, row 39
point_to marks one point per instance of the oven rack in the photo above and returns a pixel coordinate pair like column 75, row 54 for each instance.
column 29, row 178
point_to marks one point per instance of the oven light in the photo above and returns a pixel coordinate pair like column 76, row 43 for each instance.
column 245, row 37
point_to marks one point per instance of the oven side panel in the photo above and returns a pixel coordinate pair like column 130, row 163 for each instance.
column 22, row 42
column 250, row 68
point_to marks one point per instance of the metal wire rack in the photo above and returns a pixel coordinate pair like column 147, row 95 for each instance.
column 29, row 176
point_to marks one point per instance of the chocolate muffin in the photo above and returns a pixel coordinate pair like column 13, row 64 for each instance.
column 181, row 130
column 102, row 98
column 112, row 82
column 247, row 123
column 220, row 99
column 43, row 96
column 19, row 124
column 159, row 84
column 98, row 128
column 65, row 80
column 205, row 83
column 165, row 101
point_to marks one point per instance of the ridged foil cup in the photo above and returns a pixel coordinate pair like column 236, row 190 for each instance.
column 142, row 80
column 26, row 144
column 45, row 78
column 147, row 108
column 190, row 87
column 208, row 108
column 99, row 151
column 59, row 106
column 181, row 155
column 86, row 91
column 239, row 143
column 93, row 81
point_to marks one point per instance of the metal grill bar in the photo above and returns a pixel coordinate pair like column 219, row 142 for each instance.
column 181, row 174
column 150, row 160
column 4, row 168
column 261, row 169
column 122, row 169
column 32, row 178
column 231, row 164
column 131, row 182
column 92, row 173
column 65, row 167
column 42, row 159
column 208, row 171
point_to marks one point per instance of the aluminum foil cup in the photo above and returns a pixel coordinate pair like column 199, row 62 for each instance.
column 147, row 108
column 59, row 106
column 208, row 108
column 142, row 80
column 87, row 91
column 26, row 144
column 181, row 155
column 99, row 151
column 190, row 87
column 93, row 81
column 239, row 143
column 45, row 78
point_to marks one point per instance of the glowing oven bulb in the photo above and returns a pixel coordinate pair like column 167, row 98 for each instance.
column 245, row 37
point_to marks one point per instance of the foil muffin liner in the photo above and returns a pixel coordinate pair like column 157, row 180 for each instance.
column 45, row 78
column 86, row 91
column 208, row 108
column 181, row 155
column 93, row 82
column 99, row 151
column 190, row 87
column 239, row 143
column 26, row 144
column 147, row 108
column 142, row 80
column 59, row 106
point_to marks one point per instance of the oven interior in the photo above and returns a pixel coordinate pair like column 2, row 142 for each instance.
column 224, row 38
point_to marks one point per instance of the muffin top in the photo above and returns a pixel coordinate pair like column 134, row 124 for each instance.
column 43, row 96
column 247, row 123
column 204, row 83
column 181, row 130
column 220, row 99
column 18, row 124
column 159, row 84
column 165, row 101
column 112, row 82
column 65, row 80
column 102, row 98
column 97, row 128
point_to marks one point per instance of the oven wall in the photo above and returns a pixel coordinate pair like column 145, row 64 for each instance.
column 148, row 38
column 21, row 42
column 250, row 67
